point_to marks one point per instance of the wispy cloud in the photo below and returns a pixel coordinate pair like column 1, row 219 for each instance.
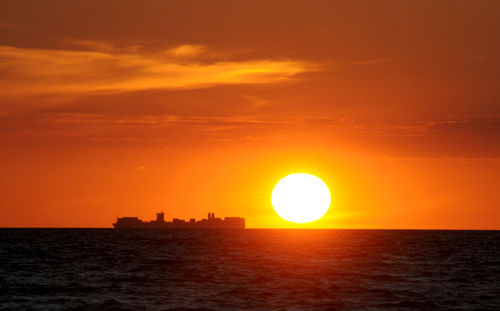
column 101, row 67
column 11, row 26
column 186, row 50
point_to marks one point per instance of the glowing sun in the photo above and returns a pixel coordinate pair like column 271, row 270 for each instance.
column 301, row 198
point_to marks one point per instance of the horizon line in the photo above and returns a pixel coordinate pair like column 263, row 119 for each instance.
column 257, row 228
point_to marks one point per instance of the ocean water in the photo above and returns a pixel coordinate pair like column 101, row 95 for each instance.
column 107, row 269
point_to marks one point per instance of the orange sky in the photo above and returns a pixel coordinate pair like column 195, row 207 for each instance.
column 121, row 108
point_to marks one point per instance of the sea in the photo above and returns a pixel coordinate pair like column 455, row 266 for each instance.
column 250, row 269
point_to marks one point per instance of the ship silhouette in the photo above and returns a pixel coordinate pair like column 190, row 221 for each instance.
column 211, row 222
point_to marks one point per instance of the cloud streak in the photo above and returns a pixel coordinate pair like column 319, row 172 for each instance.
column 25, row 71
column 423, row 139
column 11, row 26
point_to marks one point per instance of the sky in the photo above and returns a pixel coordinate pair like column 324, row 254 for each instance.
column 126, row 108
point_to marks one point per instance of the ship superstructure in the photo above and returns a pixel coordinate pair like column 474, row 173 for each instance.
column 211, row 222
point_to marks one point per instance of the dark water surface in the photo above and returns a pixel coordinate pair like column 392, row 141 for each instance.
column 106, row 269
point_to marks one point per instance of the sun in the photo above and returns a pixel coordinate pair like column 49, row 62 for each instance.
column 301, row 198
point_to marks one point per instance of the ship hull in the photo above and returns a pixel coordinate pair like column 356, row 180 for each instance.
column 175, row 226
column 211, row 223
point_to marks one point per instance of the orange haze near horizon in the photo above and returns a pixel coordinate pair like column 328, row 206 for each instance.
column 121, row 108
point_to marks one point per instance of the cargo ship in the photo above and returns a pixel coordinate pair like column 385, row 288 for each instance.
column 211, row 222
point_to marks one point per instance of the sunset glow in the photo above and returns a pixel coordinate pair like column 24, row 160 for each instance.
column 250, row 155
column 113, row 108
